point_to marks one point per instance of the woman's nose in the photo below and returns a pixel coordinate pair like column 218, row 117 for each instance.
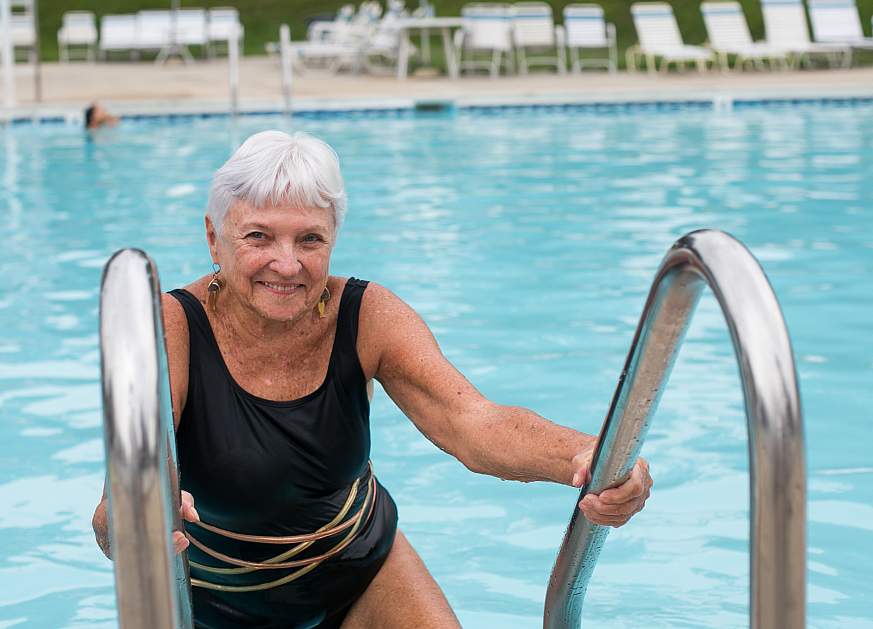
column 285, row 262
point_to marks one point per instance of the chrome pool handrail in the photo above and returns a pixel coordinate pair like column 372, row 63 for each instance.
column 151, row 581
column 776, row 443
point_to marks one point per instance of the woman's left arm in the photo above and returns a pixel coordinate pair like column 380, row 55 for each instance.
column 510, row 442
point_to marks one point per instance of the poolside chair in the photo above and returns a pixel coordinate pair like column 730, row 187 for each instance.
column 78, row 28
column 534, row 30
column 222, row 23
column 837, row 22
column 23, row 35
column 191, row 28
column 382, row 50
column 486, row 29
column 337, row 44
column 660, row 39
column 729, row 35
column 785, row 23
column 586, row 29
column 118, row 33
column 154, row 29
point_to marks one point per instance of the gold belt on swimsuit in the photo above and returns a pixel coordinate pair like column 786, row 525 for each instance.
column 301, row 542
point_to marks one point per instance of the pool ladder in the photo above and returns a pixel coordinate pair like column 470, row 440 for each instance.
column 151, row 582
column 775, row 426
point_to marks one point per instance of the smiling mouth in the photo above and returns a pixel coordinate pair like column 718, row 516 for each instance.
column 281, row 288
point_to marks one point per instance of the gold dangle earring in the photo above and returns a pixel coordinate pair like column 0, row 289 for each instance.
column 214, row 286
column 325, row 297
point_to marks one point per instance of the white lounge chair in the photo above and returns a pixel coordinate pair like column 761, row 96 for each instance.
column 785, row 23
column 586, row 29
column 334, row 45
column 78, row 28
column 171, row 32
column 23, row 35
column 222, row 23
column 118, row 33
column 660, row 39
column 191, row 28
column 729, row 35
column 837, row 22
column 383, row 49
column 534, row 30
column 154, row 29
column 487, row 29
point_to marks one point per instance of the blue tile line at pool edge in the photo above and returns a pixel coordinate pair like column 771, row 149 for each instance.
column 436, row 107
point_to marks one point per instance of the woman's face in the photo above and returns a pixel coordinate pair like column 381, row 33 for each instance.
column 275, row 260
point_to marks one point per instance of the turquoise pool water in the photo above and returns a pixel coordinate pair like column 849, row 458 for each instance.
column 527, row 240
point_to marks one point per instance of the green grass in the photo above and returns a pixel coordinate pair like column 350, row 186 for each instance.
column 262, row 18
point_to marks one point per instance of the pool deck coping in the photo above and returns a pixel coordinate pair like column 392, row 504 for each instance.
column 145, row 90
column 171, row 109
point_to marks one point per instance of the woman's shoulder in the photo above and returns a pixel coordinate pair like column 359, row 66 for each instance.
column 384, row 314
column 377, row 297
column 177, row 343
column 196, row 288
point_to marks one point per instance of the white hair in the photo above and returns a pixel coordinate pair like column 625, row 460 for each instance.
column 274, row 168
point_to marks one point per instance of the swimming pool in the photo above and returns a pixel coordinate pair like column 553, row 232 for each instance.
column 527, row 239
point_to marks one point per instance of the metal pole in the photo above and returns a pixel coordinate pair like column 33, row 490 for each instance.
column 777, row 459
column 151, row 581
column 7, row 52
column 37, row 67
column 287, row 65
column 233, row 68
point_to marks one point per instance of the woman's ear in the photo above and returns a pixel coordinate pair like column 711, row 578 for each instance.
column 212, row 239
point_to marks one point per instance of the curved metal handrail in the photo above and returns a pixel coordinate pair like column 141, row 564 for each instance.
column 776, row 443
column 151, row 581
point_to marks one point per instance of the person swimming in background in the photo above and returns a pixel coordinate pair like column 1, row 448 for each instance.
column 271, row 361
column 96, row 116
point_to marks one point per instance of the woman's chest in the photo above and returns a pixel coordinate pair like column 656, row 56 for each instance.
column 279, row 374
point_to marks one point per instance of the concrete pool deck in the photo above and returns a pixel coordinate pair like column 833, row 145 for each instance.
column 143, row 87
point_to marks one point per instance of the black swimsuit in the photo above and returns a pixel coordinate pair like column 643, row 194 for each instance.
column 261, row 467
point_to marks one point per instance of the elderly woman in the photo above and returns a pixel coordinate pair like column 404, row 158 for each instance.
column 271, row 360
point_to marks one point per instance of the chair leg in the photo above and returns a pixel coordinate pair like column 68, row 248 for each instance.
column 562, row 60
column 495, row 63
column 522, row 60
column 847, row 58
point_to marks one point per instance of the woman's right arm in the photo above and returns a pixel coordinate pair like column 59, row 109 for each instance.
column 176, row 334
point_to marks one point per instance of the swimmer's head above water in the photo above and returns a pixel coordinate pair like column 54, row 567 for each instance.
column 96, row 116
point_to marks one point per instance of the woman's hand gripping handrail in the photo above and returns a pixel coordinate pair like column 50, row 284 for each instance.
column 776, row 442
column 151, row 581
